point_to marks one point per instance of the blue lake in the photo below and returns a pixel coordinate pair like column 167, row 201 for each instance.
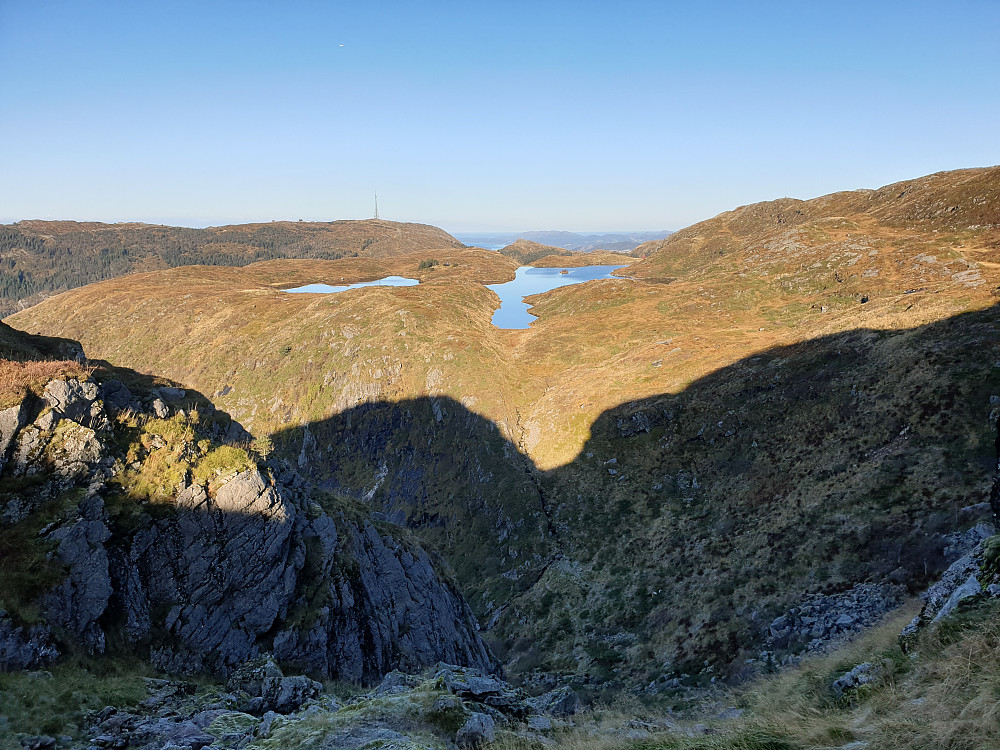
column 327, row 289
column 513, row 310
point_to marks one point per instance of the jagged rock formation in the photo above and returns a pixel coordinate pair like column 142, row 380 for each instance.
column 622, row 488
column 220, row 560
column 261, row 707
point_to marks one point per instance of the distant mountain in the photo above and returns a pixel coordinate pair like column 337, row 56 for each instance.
column 41, row 258
column 621, row 242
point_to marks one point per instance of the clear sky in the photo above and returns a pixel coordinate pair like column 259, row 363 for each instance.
column 511, row 115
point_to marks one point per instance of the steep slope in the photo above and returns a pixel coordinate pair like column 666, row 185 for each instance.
column 145, row 525
column 778, row 410
column 39, row 258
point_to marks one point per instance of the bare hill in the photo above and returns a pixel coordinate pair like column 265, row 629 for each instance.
column 791, row 405
column 41, row 258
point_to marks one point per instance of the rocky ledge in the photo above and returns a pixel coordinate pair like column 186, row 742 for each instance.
column 444, row 707
column 148, row 528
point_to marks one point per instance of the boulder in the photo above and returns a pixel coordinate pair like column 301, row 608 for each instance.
column 262, row 678
column 560, row 702
column 11, row 422
column 117, row 397
column 479, row 729
column 490, row 691
column 23, row 647
column 72, row 399
column 863, row 674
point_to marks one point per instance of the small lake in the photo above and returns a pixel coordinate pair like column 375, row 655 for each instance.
column 327, row 289
column 513, row 310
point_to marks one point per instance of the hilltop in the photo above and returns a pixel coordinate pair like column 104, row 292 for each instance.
column 528, row 253
column 40, row 258
column 618, row 242
column 788, row 407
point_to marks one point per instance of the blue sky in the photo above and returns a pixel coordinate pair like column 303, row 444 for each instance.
column 482, row 116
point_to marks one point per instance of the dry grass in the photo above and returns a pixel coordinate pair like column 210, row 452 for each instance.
column 766, row 378
column 18, row 378
column 951, row 700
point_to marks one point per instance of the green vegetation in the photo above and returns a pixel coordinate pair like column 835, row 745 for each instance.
column 164, row 455
column 56, row 702
column 659, row 466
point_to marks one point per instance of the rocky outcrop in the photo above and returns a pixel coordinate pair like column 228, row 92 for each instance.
column 11, row 422
column 389, row 610
column 849, row 682
column 224, row 570
column 822, row 618
column 408, row 712
column 971, row 576
column 23, row 647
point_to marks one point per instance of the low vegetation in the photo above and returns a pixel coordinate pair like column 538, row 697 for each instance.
column 58, row 701
column 786, row 401
column 41, row 258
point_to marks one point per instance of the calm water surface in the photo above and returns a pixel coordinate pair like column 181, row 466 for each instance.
column 513, row 310
column 327, row 289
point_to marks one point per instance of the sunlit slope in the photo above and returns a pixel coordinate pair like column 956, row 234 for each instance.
column 778, row 404
column 39, row 258
column 280, row 357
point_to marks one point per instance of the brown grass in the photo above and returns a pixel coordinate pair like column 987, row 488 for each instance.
column 17, row 379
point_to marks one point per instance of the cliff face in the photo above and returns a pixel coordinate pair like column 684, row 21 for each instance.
column 131, row 531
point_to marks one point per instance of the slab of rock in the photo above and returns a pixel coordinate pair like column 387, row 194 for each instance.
column 479, row 729
column 560, row 702
column 11, row 422
column 72, row 399
column 24, row 647
column 863, row 674
column 957, row 584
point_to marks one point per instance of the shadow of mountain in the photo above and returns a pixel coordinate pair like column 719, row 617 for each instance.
column 132, row 526
column 688, row 521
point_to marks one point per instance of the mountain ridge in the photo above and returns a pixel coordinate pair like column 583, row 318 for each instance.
column 38, row 258
column 825, row 370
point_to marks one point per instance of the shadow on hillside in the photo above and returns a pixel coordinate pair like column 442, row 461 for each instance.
column 807, row 468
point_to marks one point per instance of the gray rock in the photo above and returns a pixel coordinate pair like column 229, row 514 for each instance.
column 863, row 674
column 78, row 602
column 24, row 647
column 117, row 397
column 967, row 590
column 38, row 743
column 211, row 580
column 396, row 682
column 479, row 729
column 560, row 702
column 72, row 399
column 958, row 583
column 163, row 732
column 11, row 422
column 169, row 394
column 487, row 690
column 540, row 723
column 160, row 409
column 262, row 678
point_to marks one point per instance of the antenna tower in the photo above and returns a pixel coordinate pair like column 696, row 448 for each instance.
column 376, row 205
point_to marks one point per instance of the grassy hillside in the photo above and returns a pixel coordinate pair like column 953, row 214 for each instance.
column 785, row 401
column 39, row 258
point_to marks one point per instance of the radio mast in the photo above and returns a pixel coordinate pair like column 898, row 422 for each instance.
column 376, row 205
